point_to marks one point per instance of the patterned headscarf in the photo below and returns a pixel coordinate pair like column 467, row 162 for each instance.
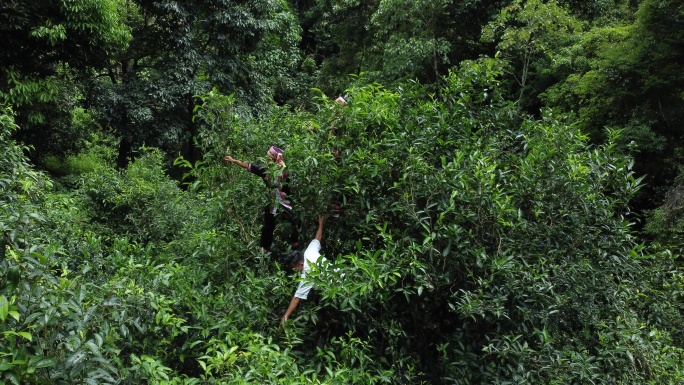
column 279, row 154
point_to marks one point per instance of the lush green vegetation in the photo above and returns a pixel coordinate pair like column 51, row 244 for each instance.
column 508, row 171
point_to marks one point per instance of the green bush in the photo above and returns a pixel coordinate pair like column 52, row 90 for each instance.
column 475, row 245
column 97, row 154
column 140, row 201
column 469, row 233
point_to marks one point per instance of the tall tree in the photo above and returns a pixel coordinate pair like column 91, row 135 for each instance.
column 391, row 40
column 48, row 48
column 527, row 34
column 180, row 49
column 424, row 39
column 629, row 77
column 478, row 245
column 337, row 38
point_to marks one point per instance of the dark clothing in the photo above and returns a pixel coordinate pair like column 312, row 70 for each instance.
column 269, row 227
column 279, row 205
column 278, row 186
column 257, row 169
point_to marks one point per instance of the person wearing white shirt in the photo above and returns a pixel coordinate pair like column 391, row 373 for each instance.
column 302, row 262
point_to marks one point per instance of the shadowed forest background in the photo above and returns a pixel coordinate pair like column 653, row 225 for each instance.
column 510, row 174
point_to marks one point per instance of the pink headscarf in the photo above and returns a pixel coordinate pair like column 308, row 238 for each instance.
column 279, row 154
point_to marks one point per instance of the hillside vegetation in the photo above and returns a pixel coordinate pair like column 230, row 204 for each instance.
column 508, row 185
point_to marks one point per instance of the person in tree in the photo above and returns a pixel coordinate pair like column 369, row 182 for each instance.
column 275, row 177
column 302, row 262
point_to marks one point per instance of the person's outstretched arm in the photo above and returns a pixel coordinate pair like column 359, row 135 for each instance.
column 293, row 305
column 319, row 231
column 240, row 163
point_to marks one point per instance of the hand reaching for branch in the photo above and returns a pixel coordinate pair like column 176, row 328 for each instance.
column 240, row 163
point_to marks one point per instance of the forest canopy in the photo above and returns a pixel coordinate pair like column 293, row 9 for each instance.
column 506, row 176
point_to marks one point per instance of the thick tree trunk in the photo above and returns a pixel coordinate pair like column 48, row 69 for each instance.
column 124, row 153
column 192, row 153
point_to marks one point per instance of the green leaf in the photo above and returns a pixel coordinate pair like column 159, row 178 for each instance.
column 38, row 217
column 13, row 378
column 4, row 308
column 45, row 362
column 26, row 335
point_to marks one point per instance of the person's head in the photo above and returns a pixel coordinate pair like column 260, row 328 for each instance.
column 340, row 100
column 275, row 154
column 293, row 260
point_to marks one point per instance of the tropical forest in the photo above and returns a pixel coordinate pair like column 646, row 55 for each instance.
column 342, row 192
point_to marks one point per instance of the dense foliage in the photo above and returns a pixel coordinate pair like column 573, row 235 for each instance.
column 477, row 245
column 508, row 174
